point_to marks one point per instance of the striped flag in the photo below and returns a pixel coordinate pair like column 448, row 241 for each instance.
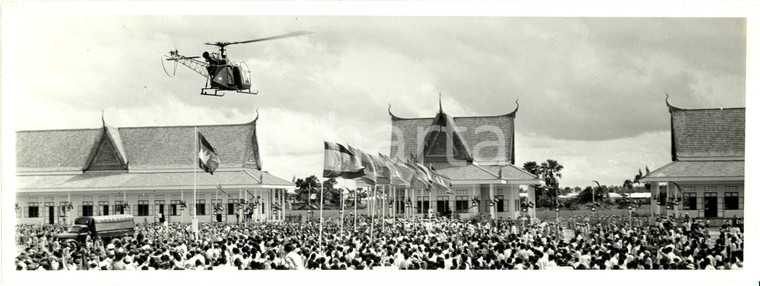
column 340, row 162
column 405, row 172
column 421, row 179
column 370, row 170
column 397, row 179
column 384, row 172
column 441, row 182
column 208, row 160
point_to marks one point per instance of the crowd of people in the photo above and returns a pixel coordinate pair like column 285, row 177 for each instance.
column 435, row 244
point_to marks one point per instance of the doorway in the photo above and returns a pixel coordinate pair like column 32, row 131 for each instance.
column 51, row 214
column 711, row 204
column 442, row 206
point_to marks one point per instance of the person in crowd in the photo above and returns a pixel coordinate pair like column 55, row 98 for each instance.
column 602, row 243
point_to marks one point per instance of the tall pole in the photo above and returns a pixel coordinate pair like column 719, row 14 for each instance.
column 383, row 205
column 321, row 202
column 406, row 207
column 342, row 210
column 372, row 219
column 356, row 194
column 195, row 186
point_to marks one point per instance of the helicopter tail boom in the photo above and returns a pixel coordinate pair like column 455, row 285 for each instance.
column 189, row 62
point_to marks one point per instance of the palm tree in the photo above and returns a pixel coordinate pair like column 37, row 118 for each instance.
column 551, row 170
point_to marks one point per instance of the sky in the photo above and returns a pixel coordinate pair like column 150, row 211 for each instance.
column 591, row 90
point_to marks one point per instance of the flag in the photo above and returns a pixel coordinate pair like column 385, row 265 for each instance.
column 441, row 182
column 208, row 160
column 383, row 170
column 421, row 177
column 370, row 170
column 397, row 179
column 340, row 162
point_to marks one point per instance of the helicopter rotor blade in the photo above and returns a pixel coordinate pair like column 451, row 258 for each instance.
column 287, row 35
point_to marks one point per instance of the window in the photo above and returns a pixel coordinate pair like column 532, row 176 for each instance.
column 462, row 204
column 174, row 208
column 143, row 208
column 732, row 200
column 500, row 204
column 690, row 201
column 142, row 197
column 49, row 199
column 423, row 204
column 176, row 197
column 103, row 208
column 442, row 204
column 711, row 189
column 87, row 208
column 34, row 199
column 62, row 210
column 200, row 207
column 231, row 206
column 118, row 207
column 103, row 198
column 34, row 210
column 159, row 197
column 461, row 192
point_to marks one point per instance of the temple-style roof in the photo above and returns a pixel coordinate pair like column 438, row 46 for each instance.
column 698, row 170
column 160, row 157
column 707, row 133
column 411, row 134
column 509, row 173
column 706, row 145
column 145, row 148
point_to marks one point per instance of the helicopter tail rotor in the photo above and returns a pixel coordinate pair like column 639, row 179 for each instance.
column 174, row 69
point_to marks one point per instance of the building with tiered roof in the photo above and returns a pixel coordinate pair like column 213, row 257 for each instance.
column 142, row 171
column 706, row 175
column 477, row 153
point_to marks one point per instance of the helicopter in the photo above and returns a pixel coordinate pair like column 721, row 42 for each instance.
column 221, row 73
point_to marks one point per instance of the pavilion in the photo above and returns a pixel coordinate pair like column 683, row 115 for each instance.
column 477, row 153
column 706, row 175
column 144, row 171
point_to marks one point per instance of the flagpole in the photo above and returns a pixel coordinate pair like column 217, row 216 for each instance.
column 342, row 210
column 195, row 186
column 321, row 202
column 356, row 194
column 406, row 208
column 382, row 211
column 372, row 219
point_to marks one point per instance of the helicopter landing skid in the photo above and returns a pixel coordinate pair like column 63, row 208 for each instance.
column 248, row 91
column 205, row 91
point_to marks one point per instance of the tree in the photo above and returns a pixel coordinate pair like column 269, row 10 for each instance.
column 600, row 193
column 550, row 172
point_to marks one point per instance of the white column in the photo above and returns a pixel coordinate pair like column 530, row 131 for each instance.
column 490, row 197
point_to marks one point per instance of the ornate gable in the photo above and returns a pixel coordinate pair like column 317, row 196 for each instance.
column 107, row 155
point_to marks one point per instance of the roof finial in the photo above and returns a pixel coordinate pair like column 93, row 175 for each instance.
column 440, row 106
column 391, row 113
column 670, row 107
column 103, row 117
column 512, row 114
column 257, row 115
